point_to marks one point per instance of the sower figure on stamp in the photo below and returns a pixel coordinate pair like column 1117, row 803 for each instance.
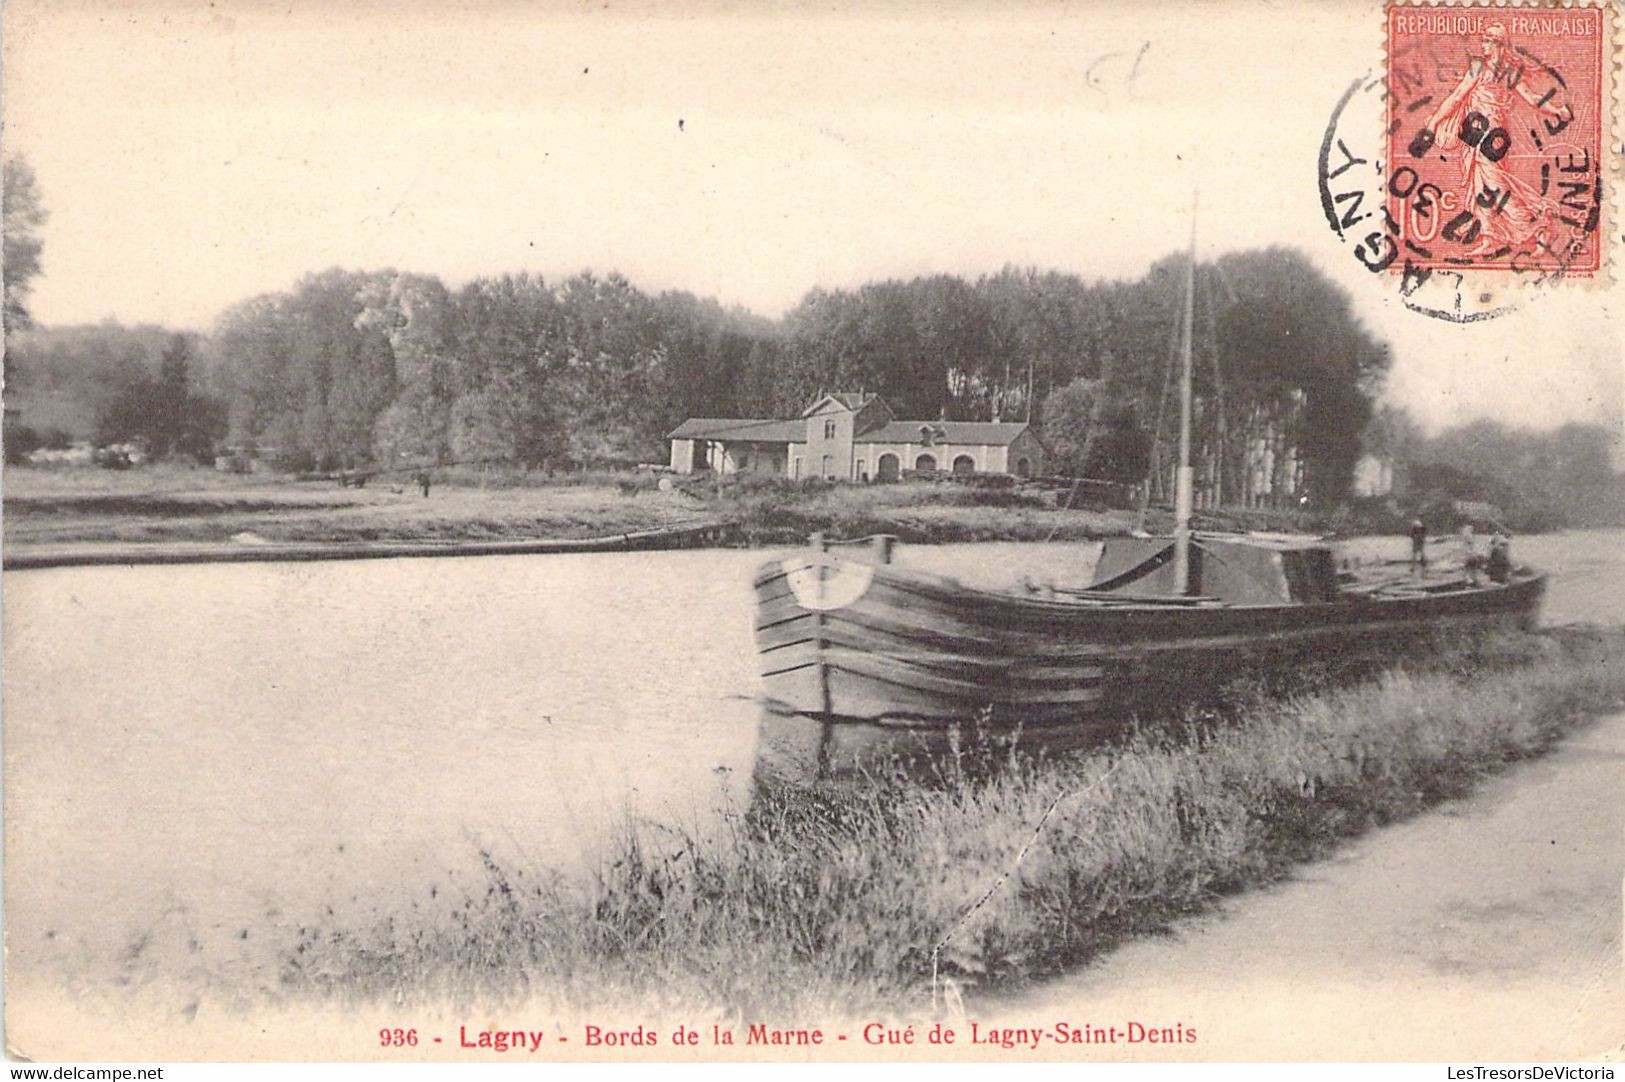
column 1478, row 114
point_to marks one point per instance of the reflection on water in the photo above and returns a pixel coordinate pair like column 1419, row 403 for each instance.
column 194, row 755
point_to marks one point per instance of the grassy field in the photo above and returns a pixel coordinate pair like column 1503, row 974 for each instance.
column 920, row 512
column 170, row 503
column 176, row 504
column 998, row 871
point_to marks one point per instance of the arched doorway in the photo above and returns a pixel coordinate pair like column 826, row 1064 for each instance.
column 829, row 467
column 1024, row 468
column 963, row 465
column 926, row 462
column 886, row 469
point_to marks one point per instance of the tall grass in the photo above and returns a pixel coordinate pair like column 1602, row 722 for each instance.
column 781, row 511
column 843, row 897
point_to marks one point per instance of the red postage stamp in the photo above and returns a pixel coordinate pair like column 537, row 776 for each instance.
column 1498, row 118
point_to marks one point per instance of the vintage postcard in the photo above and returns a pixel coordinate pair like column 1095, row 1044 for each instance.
column 879, row 531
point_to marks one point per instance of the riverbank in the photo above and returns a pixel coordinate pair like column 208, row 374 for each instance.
column 883, row 896
column 174, row 506
column 173, row 514
column 1412, row 944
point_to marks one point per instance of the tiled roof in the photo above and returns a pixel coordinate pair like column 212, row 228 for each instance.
column 992, row 433
column 847, row 400
column 740, row 428
column 977, row 432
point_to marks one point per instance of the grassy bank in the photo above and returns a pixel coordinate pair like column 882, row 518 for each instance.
column 169, row 504
column 173, row 504
column 777, row 511
column 812, row 900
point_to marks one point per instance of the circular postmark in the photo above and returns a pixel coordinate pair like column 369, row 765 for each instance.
column 1470, row 169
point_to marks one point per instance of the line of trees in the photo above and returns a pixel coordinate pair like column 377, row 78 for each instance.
column 351, row 368
column 1536, row 479
column 162, row 411
column 110, row 384
column 356, row 368
column 23, row 216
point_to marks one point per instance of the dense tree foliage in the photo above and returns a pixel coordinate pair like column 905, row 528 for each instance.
column 1093, row 435
column 162, row 412
column 351, row 368
column 71, row 375
column 1536, row 478
column 1284, row 373
column 24, row 214
column 113, row 384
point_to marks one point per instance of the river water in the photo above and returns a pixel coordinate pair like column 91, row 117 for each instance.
column 197, row 755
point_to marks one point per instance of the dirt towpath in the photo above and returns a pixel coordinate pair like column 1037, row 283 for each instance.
column 1488, row 930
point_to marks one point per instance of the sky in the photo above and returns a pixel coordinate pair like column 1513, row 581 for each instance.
column 194, row 154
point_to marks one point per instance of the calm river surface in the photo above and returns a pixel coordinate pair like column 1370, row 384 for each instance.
column 196, row 756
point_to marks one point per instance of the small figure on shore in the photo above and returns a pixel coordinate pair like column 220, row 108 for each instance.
column 422, row 480
column 1419, row 542
column 1499, row 565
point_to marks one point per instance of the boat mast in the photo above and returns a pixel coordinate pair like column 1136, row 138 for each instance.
column 1182, row 475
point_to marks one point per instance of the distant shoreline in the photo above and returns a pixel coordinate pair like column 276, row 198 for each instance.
column 176, row 515
column 167, row 515
column 38, row 557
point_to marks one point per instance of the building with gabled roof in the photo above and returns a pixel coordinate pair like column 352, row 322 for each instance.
column 853, row 437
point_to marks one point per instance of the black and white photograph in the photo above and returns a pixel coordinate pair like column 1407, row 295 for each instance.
column 873, row 531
